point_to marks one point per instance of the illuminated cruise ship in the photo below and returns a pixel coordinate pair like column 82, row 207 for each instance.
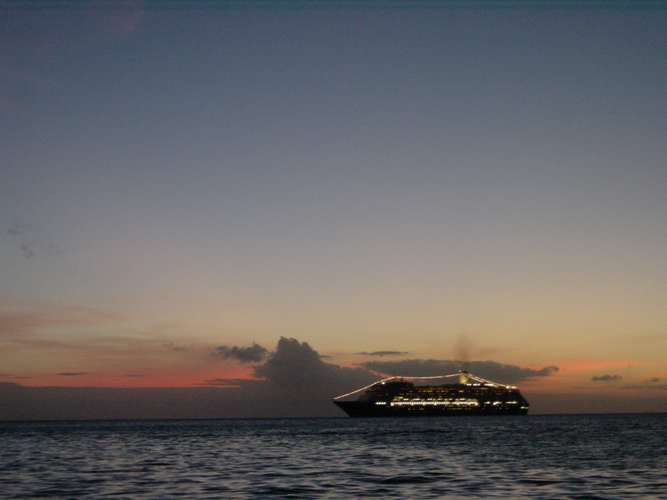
column 404, row 397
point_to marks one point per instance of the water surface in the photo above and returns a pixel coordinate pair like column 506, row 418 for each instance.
column 604, row 456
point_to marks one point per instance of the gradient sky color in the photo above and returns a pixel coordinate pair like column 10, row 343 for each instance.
column 174, row 179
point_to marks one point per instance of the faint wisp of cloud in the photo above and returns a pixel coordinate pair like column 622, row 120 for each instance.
column 31, row 241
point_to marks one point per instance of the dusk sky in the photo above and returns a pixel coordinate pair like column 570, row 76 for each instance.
column 445, row 183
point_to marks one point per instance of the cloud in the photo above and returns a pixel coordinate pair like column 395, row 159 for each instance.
column 296, row 368
column 231, row 381
column 32, row 241
column 27, row 250
column 503, row 373
column 295, row 381
column 10, row 385
column 22, row 235
column 72, row 374
column 382, row 353
column 292, row 381
column 650, row 386
column 606, row 378
column 225, row 383
column 252, row 354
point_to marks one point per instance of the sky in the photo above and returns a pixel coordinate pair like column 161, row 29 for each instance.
column 194, row 195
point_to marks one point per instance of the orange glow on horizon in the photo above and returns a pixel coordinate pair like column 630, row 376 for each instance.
column 590, row 365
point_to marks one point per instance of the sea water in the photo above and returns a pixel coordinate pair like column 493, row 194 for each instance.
column 592, row 456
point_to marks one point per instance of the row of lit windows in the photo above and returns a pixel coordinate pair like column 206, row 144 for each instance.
column 457, row 402
column 442, row 402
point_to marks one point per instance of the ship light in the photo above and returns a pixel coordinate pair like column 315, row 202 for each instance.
column 459, row 402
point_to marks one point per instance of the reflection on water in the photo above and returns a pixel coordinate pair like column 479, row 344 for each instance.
column 546, row 456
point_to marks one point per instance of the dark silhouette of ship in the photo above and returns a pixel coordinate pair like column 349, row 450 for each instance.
column 402, row 397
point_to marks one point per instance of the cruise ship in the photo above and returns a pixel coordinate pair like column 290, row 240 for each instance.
column 400, row 396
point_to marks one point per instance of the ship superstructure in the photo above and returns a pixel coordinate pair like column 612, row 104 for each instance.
column 405, row 396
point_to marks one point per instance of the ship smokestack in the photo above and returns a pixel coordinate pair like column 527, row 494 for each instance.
column 463, row 377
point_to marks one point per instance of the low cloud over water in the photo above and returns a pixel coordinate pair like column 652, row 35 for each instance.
column 291, row 380
column 498, row 372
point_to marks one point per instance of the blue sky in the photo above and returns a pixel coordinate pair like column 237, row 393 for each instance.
column 349, row 176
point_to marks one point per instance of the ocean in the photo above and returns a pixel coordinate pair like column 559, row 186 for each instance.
column 591, row 456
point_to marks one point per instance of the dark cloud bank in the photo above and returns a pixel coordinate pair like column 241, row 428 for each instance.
column 252, row 354
column 508, row 374
column 382, row 353
column 292, row 381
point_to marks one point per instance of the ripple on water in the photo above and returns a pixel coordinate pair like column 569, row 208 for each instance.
column 555, row 456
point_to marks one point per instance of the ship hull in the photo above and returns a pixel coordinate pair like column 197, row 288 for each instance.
column 366, row 409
